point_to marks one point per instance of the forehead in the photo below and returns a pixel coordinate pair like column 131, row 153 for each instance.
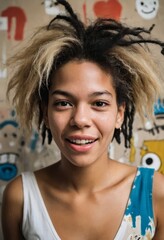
column 82, row 73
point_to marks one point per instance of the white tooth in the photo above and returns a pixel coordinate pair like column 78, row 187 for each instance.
column 3, row 158
column 12, row 158
column 83, row 141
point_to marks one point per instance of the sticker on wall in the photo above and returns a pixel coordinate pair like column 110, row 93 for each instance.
column 17, row 14
column 51, row 8
column 147, row 9
column 108, row 9
column 3, row 23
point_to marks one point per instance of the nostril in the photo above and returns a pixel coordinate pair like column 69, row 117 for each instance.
column 80, row 118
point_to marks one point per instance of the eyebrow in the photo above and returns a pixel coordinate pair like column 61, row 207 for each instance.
column 61, row 92
column 99, row 93
column 94, row 94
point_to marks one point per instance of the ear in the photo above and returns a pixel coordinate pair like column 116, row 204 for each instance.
column 120, row 115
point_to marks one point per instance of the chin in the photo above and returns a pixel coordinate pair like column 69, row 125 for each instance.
column 81, row 162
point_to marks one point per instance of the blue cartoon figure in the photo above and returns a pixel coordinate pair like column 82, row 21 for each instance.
column 8, row 154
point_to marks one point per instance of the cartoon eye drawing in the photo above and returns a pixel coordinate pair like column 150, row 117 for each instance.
column 151, row 160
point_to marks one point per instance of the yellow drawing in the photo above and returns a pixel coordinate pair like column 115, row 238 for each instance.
column 152, row 154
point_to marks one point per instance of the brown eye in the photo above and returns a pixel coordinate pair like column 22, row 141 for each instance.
column 62, row 104
column 100, row 104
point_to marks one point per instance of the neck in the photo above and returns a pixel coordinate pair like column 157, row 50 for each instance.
column 85, row 179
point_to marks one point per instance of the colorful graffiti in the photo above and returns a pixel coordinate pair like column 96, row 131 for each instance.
column 150, row 150
column 19, row 15
column 8, row 159
column 147, row 9
column 152, row 154
column 108, row 9
column 14, row 146
column 159, row 109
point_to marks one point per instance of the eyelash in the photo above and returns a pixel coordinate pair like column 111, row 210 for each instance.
column 65, row 104
column 62, row 104
column 101, row 103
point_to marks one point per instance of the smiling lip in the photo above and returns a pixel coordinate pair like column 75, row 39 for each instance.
column 81, row 143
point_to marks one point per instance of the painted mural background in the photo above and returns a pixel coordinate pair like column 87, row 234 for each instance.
column 18, row 20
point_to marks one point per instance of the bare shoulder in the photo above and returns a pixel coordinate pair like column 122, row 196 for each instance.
column 158, row 197
column 12, row 209
column 13, row 192
column 158, row 194
column 158, row 186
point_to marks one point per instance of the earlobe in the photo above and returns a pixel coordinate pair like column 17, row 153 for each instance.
column 46, row 122
column 120, row 116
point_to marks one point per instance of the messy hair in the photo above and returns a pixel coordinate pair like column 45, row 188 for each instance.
column 120, row 50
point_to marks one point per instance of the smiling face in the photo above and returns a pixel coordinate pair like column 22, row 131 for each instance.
column 147, row 8
column 82, row 112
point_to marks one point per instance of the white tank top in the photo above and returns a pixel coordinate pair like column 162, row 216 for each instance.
column 37, row 224
column 137, row 222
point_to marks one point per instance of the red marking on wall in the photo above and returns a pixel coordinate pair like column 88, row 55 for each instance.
column 19, row 15
column 85, row 13
column 108, row 9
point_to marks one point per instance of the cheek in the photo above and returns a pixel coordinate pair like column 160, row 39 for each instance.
column 57, row 123
column 107, row 122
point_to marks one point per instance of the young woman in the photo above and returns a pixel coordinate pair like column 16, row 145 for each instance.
column 83, row 85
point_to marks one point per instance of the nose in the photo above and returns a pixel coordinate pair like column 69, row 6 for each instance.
column 81, row 116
